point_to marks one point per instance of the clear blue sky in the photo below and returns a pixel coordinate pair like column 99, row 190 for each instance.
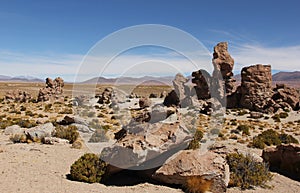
column 40, row 28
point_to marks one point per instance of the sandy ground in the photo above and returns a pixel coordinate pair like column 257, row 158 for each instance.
column 36, row 168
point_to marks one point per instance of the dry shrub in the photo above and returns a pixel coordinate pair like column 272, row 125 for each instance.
column 197, row 184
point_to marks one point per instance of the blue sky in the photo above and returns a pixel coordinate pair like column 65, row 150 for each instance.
column 49, row 38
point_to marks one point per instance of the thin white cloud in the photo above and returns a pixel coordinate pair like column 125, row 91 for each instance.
column 280, row 58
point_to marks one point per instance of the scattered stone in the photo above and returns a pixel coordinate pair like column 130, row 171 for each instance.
column 144, row 102
column 106, row 96
column 54, row 140
column 256, row 115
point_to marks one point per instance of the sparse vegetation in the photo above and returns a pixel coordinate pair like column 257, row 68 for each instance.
column 194, row 144
column 245, row 129
column 245, row 172
column 88, row 168
column 271, row 137
column 70, row 132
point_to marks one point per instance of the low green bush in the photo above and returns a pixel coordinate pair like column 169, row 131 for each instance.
column 245, row 172
column 194, row 144
column 245, row 129
column 88, row 168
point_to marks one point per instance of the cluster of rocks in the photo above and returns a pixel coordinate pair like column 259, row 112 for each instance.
column 254, row 93
column 52, row 91
column 18, row 96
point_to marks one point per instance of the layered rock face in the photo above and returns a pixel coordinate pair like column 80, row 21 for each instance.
column 52, row 91
column 256, row 87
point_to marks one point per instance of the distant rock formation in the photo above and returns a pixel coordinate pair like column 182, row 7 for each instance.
column 52, row 91
column 18, row 96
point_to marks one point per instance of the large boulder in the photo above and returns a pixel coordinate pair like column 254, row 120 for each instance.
column 256, row 87
column 40, row 131
column 14, row 130
column 284, row 158
column 144, row 102
column 188, row 164
column 146, row 146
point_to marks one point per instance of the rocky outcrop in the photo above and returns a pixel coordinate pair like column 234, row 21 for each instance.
column 18, row 96
column 285, row 95
column 52, row 91
column 39, row 132
column 256, row 87
column 208, row 167
column 284, row 158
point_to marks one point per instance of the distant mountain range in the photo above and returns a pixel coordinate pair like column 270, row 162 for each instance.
column 280, row 77
column 149, row 80
column 145, row 80
column 4, row 78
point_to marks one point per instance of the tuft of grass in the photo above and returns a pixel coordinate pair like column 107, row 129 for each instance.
column 70, row 133
column 245, row 129
column 197, row 184
column 194, row 144
column 246, row 173
column 88, row 168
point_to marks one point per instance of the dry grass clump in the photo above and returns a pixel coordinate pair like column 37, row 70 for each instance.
column 70, row 133
column 246, row 173
column 245, row 129
column 194, row 144
column 88, row 168
column 197, row 184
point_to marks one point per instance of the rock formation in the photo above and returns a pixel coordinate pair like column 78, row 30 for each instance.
column 256, row 87
column 285, row 96
column 179, row 86
column 202, row 80
column 18, row 96
column 105, row 97
column 52, row 91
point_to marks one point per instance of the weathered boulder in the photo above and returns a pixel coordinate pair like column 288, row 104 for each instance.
column 40, row 131
column 171, row 99
column 256, row 87
column 146, row 145
column 284, row 158
column 18, row 96
column 13, row 130
column 222, row 60
column 160, row 113
column 192, row 163
column 52, row 91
